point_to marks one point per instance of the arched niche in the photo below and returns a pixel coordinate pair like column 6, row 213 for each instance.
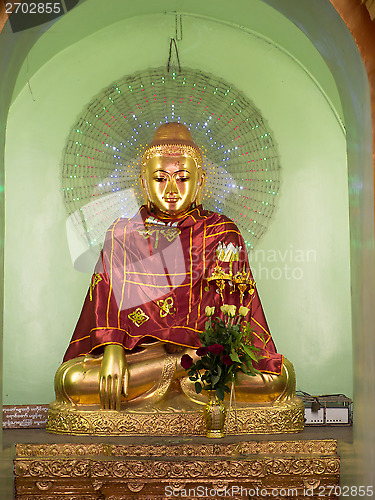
column 335, row 44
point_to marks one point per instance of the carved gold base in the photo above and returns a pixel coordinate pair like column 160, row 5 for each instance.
column 277, row 418
column 180, row 468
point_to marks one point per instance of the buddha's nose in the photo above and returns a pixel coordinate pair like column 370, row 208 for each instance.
column 171, row 187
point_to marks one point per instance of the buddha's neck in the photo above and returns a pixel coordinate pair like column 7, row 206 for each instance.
column 170, row 217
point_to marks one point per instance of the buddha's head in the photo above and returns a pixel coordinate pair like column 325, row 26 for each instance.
column 171, row 173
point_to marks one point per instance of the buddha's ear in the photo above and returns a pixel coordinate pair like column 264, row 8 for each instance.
column 142, row 182
column 202, row 182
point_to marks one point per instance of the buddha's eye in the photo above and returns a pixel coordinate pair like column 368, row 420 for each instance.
column 159, row 179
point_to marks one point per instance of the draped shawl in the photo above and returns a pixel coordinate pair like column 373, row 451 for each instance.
column 151, row 283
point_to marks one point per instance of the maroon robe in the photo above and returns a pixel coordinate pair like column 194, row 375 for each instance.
column 150, row 283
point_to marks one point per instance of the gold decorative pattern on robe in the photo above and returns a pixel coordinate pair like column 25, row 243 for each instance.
column 169, row 233
column 138, row 317
column 166, row 307
column 147, row 231
column 95, row 280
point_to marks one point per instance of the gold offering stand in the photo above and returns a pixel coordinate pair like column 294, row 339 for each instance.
column 160, row 452
column 151, row 468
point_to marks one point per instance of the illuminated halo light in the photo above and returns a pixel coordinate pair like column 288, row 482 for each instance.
column 101, row 162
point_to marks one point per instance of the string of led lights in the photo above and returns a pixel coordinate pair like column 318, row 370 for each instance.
column 101, row 160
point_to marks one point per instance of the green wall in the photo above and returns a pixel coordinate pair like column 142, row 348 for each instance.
column 309, row 315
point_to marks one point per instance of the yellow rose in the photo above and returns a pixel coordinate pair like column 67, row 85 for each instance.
column 243, row 311
column 224, row 308
column 229, row 310
column 209, row 311
column 232, row 311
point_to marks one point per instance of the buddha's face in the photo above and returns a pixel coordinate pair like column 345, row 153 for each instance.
column 172, row 183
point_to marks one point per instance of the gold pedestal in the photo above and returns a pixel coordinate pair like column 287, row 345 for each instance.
column 178, row 468
column 276, row 418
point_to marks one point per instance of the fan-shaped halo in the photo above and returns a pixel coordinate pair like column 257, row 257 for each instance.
column 101, row 161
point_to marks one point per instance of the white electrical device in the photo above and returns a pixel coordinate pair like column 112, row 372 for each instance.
column 327, row 410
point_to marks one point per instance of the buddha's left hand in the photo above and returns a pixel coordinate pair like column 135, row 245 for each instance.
column 113, row 377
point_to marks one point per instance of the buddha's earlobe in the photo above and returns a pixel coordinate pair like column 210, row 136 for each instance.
column 200, row 187
column 143, row 184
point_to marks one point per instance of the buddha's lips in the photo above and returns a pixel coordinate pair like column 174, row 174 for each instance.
column 171, row 200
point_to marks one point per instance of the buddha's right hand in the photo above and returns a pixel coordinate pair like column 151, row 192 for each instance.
column 113, row 377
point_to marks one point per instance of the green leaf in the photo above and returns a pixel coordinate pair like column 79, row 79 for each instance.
column 198, row 387
column 199, row 364
column 234, row 357
column 250, row 353
column 220, row 393
column 253, row 371
column 251, row 329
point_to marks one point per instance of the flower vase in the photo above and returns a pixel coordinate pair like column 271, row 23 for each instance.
column 214, row 416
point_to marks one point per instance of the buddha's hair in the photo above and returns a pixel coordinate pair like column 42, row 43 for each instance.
column 172, row 150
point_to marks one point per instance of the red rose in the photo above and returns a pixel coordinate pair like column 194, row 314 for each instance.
column 186, row 361
column 202, row 351
column 226, row 360
column 216, row 348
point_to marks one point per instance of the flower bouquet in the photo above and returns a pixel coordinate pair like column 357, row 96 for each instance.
column 227, row 349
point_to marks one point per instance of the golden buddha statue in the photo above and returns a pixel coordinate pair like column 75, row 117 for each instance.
column 145, row 306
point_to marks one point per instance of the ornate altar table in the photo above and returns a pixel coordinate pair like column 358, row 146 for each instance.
column 180, row 467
